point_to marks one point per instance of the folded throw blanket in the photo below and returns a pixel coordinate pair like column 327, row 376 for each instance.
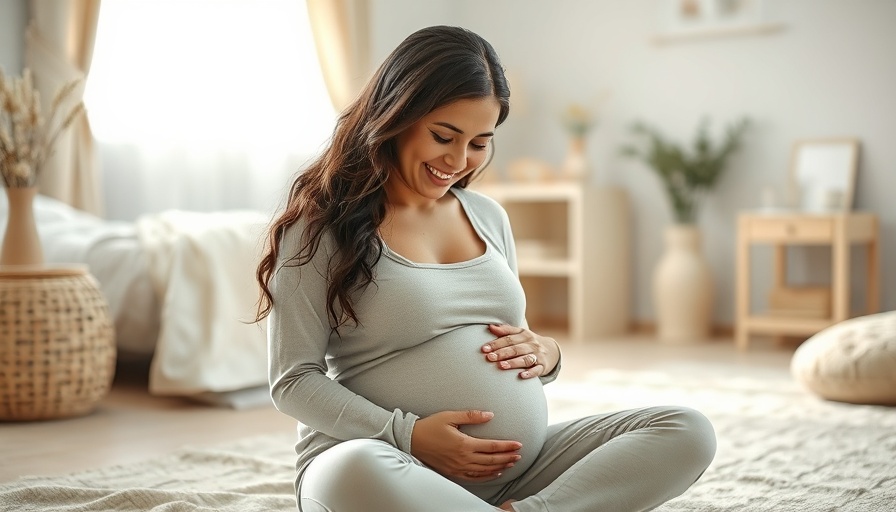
column 203, row 270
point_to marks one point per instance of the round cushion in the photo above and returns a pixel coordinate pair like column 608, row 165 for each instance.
column 853, row 361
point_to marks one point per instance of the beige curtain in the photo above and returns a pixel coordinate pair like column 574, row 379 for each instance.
column 58, row 49
column 341, row 36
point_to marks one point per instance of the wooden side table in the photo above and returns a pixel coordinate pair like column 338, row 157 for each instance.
column 837, row 230
column 57, row 343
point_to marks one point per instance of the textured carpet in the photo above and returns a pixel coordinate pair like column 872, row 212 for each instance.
column 780, row 449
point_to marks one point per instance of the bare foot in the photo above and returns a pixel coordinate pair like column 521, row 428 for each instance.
column 506, row 505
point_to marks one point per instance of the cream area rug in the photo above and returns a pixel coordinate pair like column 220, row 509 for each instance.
column 779, row 449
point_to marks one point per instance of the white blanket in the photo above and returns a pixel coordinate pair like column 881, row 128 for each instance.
column 203, row 270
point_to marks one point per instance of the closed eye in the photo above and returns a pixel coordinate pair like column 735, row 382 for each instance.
column 438, row 138
column 442, row 140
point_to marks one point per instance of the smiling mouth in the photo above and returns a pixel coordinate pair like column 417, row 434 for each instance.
column 438, row 174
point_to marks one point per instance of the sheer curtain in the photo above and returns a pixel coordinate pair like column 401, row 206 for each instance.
column 58, row 48
column 204, row 105
column 340, row 29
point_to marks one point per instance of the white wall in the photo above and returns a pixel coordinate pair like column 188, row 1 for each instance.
column 830, row 72
column 13, row 19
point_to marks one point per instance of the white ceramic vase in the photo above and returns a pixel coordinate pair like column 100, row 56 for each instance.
column 682, row 288
column 21, row 243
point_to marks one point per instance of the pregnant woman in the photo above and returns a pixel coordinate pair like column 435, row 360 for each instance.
column 397, row 331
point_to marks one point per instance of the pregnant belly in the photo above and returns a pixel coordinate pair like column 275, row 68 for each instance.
column 450, row 373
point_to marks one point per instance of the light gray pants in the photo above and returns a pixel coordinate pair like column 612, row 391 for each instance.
column 622, row 461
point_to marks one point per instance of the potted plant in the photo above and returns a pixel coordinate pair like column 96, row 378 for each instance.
column 26, row 140
column 682, row 283
column 686, row 175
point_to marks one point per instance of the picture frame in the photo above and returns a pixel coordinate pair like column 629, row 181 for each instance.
column 823, row 173
column 695, row 19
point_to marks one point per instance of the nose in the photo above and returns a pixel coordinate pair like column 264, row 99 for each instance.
column 456, row 159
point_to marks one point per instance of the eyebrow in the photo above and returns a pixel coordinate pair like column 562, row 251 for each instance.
column 458, row 130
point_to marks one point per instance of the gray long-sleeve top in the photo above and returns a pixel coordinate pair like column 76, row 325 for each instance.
column 416, row 350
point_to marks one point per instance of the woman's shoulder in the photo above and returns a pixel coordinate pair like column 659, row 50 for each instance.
column 480, row 203
column 292, row 234
column 295, row 238
column 485, row 212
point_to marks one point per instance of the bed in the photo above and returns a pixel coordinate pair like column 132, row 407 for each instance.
column 181, row 291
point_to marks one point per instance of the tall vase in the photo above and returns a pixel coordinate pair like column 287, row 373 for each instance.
column 682, row 288
column 21, row 244
column 575, row 166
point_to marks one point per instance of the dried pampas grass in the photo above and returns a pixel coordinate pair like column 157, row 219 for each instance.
column 26, row 137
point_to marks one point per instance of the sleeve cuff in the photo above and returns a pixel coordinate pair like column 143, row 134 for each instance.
column 403, row 440
column 551, row 377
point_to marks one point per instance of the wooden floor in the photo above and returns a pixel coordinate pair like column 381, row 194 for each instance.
column 130, row 425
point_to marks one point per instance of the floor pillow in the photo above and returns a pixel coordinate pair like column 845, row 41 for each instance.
column 853, row 361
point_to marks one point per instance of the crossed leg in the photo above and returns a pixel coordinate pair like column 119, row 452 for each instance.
column 622, row 461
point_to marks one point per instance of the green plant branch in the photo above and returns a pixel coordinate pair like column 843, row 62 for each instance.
column 687, row 175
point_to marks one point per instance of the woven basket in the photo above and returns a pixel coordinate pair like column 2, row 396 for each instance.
column 57, row 344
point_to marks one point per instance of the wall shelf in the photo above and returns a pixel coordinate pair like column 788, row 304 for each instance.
column 753, row 29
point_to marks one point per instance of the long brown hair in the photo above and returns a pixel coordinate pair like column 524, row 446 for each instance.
column 341, row 192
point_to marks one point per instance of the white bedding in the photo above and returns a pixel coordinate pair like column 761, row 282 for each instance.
column 180, row 287
column 203, row 269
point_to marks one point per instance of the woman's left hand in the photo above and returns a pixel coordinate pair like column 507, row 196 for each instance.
column 518, row 348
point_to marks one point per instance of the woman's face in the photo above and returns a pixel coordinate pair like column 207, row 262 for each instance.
column 443, row 147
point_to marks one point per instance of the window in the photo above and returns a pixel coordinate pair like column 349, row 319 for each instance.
column 212, row 81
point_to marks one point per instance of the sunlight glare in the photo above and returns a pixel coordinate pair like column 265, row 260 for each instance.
column 232, row 72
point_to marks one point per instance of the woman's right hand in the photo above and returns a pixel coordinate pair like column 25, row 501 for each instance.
column 438, row 442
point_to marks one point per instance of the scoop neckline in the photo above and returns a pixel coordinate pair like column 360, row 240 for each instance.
column 486, row 255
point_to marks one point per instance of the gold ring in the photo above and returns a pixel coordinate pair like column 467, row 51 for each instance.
column 534, row 360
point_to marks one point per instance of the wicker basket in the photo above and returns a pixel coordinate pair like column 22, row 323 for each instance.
column 57, row 344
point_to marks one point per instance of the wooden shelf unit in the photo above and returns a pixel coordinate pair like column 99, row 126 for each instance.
column 574, row 254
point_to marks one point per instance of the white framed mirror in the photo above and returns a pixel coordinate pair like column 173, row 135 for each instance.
column 823, row 173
